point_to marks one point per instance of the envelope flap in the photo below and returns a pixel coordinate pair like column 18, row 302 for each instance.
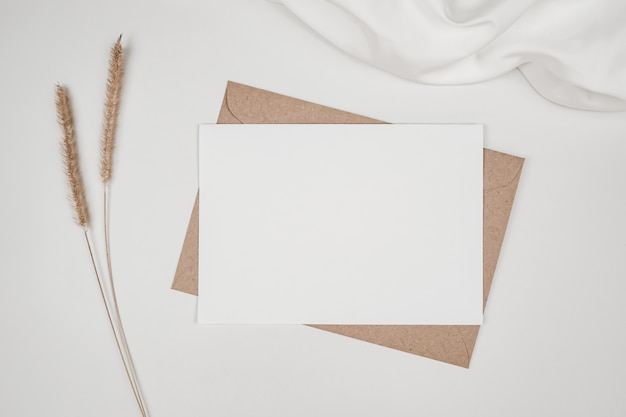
column 254, row 106
column 500, row 169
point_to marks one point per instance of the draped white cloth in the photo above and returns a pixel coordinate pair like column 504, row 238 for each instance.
column 573, row 52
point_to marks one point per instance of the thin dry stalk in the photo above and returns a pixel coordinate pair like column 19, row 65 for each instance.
column 118, row 317
column 70, row 157
column 108, row 311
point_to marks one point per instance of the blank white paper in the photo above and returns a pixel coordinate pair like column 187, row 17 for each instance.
column 340, row 224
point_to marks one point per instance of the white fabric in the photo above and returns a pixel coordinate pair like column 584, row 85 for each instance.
column 573, row 52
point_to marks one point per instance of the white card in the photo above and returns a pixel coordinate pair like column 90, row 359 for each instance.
column 340, row 224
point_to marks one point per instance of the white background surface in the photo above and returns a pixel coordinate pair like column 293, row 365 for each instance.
column 553, row 341
column 340, row 224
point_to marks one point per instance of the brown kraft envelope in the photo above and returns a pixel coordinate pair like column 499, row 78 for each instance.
column 451, row 344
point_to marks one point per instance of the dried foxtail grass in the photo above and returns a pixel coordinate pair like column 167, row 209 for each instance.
column 114, row 84
column 70, row 157
column 111, row 109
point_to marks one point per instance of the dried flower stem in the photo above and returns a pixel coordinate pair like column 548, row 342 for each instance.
column 117, row 341
column 109, row 127
column 129, row 360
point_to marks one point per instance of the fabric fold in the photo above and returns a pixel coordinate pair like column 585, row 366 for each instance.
column 573, row 52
